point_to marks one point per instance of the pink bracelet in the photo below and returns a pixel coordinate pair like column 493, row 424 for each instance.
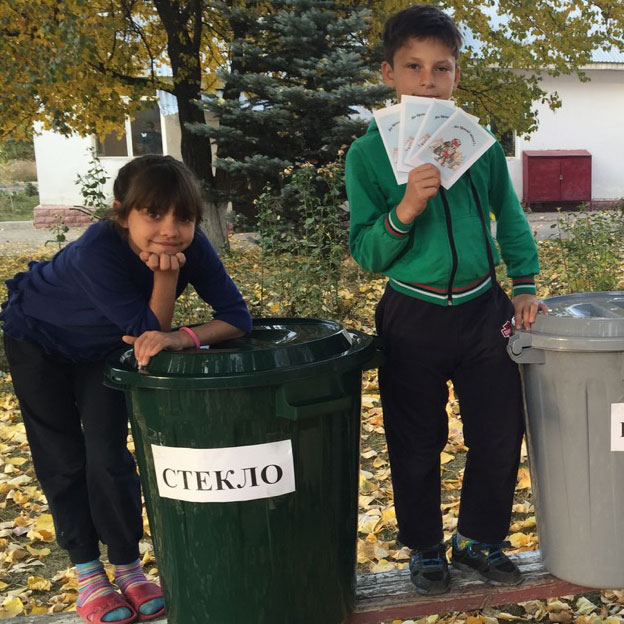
column 193, row 336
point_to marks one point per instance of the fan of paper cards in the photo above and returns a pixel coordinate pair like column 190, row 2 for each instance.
column 423, row 130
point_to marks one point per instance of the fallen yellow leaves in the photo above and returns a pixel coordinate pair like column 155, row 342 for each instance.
column 523, row 541
column 27, row 536
column 16, row 461
column 37, row 583
column 480, row 619
column 38, row 552
column 524, row 479
column 11, row 607
column 445, row 458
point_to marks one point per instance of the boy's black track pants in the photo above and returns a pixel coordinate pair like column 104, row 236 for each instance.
column 427, row 345
column 77, row 430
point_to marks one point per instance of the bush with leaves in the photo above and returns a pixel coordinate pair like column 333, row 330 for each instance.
column 59, row 231
column 92, row 189
column 303, row 231
column 588, row 249
column 11, row 149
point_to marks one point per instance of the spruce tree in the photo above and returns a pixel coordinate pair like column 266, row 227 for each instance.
column 297, row 76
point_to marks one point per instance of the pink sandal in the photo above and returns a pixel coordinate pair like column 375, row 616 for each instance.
column 93, row 611
column 138, row 595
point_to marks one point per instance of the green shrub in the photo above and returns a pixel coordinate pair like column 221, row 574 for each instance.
column 17, row 206
column 16, row 150
column 304, row 242
column 92, row 188
column 588, row 250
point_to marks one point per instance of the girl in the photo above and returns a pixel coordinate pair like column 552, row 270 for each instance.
column 118, row 281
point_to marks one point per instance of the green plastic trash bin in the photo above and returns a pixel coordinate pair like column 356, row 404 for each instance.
column 573, row 375
column 249, row 459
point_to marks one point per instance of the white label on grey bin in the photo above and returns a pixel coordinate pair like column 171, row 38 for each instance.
column 224, row 475
column 617, row 426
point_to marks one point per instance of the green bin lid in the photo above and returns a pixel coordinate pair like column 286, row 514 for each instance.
column 581, row 322
column 276, row 348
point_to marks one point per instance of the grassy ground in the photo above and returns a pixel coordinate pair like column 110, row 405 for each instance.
column 17, row 206
column 18, row 194
column 35, row 576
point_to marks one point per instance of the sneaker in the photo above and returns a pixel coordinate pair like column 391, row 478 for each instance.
column 429, row 570
column 488, row 560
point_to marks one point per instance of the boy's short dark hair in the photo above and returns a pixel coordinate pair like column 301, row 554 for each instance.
column 157, row 183
column 420, row 22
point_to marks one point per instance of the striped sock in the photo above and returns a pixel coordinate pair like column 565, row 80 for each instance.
column 93, row 583
column 131, row 575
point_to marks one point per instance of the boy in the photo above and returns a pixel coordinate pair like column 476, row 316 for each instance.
column 443, row 316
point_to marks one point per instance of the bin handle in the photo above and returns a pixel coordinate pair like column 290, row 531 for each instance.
column 115, row 382
column 520, row 349
column 309, row 409
column 378, row 358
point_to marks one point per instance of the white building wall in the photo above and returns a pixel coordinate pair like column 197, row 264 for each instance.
column 59, row 160
column 591, row 117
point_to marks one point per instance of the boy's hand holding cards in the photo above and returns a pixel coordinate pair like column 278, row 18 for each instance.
column 422, row 185
column 422, row 131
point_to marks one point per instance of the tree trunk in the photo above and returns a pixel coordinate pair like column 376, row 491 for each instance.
column 214, row 224
column 197, row 154
column 183, row 24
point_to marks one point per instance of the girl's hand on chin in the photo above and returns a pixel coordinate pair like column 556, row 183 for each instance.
column 163, row 262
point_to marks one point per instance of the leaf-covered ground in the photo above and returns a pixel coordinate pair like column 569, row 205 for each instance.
column 36, row 577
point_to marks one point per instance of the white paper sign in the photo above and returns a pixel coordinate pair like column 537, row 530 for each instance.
column 224, row 475
column 617, row 426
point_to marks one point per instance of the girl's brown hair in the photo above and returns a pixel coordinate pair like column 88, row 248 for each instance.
column 157, row 183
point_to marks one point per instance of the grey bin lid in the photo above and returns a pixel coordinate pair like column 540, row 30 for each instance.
column 580, row 322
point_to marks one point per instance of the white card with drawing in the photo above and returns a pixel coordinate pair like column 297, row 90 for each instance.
column 455, row 147
column 388, row 121
column 438, row 113
column 413, row 112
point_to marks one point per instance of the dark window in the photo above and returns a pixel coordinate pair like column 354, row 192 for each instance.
column 146, row 133
column 113, row 144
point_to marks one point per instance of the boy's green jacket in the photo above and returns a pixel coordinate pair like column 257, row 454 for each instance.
column 437, row 258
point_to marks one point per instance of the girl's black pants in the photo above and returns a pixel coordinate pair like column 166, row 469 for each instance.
column 77, row 430
column 426, row 345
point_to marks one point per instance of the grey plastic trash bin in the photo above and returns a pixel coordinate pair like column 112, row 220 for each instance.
column 573, row 374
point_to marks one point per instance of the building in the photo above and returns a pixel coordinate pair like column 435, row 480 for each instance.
column 61, row 159
column 590, row 118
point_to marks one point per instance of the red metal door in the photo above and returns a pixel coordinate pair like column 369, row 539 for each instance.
column 544, row 176
column 576, row 179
